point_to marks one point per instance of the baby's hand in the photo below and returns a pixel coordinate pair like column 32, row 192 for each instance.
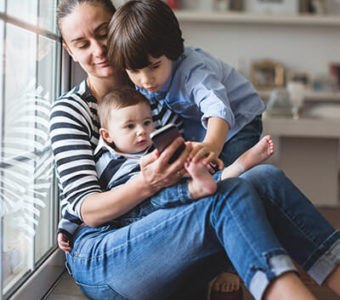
column 206, row 154
column 64, row 242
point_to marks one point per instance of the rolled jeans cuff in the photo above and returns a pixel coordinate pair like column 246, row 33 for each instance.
column 279, row 265
column 327, row 262
column 183, row 191
column 173, row 196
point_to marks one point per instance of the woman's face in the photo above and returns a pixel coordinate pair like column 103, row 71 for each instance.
column 85, row 37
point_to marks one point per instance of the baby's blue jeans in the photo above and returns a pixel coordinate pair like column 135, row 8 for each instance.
column 261, row 221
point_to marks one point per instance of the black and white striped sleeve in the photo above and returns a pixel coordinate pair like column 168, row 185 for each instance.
column 72, row 134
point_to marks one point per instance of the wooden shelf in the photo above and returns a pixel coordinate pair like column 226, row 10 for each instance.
column 304, row 127
column 309, row 95
column 251, row 18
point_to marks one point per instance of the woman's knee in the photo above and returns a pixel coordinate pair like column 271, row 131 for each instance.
column 231, row 186
column 264, row 173
column 232, row 191
column 266, row 169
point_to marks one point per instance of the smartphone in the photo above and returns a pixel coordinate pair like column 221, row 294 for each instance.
column 164, row 136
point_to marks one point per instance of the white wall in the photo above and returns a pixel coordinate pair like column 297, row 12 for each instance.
column 303, row 48
column 298, row 47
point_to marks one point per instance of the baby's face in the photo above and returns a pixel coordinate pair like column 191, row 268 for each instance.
column 130, row 127
column 154, row 76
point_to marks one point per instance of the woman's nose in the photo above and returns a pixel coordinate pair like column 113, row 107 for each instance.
column 99, row 49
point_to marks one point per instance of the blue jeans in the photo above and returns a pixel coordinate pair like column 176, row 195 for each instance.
column 238, row 144
column 246, row 138
column 166, row 198
column 260, row 220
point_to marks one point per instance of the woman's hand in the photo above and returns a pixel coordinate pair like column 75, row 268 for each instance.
column 156, row 173
column 64, row 242
column 156, row 170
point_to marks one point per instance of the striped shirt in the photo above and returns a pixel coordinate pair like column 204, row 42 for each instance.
column 74, row 133
column 114, row 168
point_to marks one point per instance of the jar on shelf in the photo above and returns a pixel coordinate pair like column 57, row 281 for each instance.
column 332, row 7
column 222, row 5
column 197, row 5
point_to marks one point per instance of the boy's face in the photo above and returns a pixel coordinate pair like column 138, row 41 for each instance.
column 129, row 128
column 154, row 76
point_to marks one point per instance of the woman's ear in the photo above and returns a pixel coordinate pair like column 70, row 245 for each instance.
column 105, row 135
column 69, row 51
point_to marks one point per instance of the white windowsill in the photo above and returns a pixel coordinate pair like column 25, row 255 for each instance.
column 43, row 278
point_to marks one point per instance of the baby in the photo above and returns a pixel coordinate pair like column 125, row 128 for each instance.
column 126, row 120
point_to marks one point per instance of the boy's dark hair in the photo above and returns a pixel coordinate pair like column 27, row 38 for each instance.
column 141, row 28
column 117, row 99
column 66, row 7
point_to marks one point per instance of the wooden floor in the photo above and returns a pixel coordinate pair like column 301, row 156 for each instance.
column 66, row 289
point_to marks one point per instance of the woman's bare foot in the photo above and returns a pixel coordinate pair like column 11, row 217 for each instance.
column 201, row 183
column 226, row 282
column 255, row 155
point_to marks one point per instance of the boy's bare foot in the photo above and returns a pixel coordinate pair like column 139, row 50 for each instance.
column 255, row 155
column 201, row 183
column 258, row 153
column 226, row 282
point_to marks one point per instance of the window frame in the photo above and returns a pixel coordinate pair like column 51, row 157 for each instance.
column 51, row 265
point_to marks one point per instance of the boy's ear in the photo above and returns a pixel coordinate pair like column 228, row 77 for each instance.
column 69, row 51
column 105, row 135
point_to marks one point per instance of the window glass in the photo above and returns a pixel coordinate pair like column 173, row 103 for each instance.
column 1, row 175
column 18, row 227
column 27, row 177
column 25, row 11
column 47, row 77
column 2, row 60
column 29, row 82
column 47, row 19
column 20, row 62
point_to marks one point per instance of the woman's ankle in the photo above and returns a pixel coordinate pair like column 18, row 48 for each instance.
column 333, row 280
column 287, row 286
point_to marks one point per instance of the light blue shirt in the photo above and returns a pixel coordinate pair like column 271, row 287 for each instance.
column 202, row 86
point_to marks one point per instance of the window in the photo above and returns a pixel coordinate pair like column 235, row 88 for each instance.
column 30, row 49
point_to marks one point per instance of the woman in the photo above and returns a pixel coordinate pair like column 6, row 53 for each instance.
column 257, row 219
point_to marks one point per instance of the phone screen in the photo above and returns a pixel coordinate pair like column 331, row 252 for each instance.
column 164, row 137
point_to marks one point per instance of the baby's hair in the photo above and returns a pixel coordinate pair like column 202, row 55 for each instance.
column 66, row 7
column 117, row 99
column 141, row 28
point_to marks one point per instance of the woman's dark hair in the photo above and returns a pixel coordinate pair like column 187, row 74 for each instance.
column 66, row 7
column 141, row 28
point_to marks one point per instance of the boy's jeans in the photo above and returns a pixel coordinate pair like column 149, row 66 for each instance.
column 246, row 138
column 258, row 220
